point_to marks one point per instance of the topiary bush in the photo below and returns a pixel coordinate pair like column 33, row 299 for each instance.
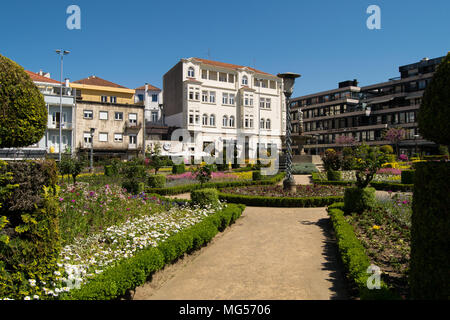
column 178, row 168
column 387, row 149
column 430, row 255
column 356, row 200
column 334, row 175
column 156, row 181
column 204, row 197
column 408, row 176
column 331, row 160
column 434, row 113
column 23, row 111
column 256, row 175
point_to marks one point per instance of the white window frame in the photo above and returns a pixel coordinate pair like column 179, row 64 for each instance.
column 103, row 137
column 88, row 112
column 102, row 114
column 232, row 122
column 245, row 81
column 224, row 98
column 118, row 137
column 191, row 72
column 212, row 97
column 116, row 114
column 212, row 120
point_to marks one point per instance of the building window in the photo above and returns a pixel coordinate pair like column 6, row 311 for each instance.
column 132, row 118
column 244, row 80
column 231, row 78
column 191, row 72
column 139, row 96
column 261, row 123
column 133, row 140
column 268, row 124
column 225, row 98
column 104, row 99
column 103, row 137
column 103, row 115
column 204, row 96
column 232, row 122
column 88, row 114
column 232, row 98
column 222, row 77
column 118, row 116
column 205, row 74
column 205, row 120
column 154, row 97
column 251, row 122
column 197, row 95
column 87, row 138
column 212, row 97
column 154, row 116
column 191, row 93
column 213, row 75
column 212, row 120
column 191, row 119
column 113, row 99
column 197, row 119
column 225, row 121
column 118, row 137
column 262, row 103
column 268, row 103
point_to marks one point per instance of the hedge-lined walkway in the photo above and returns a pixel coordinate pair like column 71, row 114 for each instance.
column 270, row 253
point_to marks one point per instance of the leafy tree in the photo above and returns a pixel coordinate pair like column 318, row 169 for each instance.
column 368, row 161
column 395, row 135
column 23, row 114
column 154, row 155
column 331, row 160
column 203, row 174
column 434, row 112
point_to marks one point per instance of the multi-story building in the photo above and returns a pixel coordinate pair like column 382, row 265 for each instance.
column 151, row 97
column 49, row 144
column 365, row 113
column 110, row 110
column 220, row 102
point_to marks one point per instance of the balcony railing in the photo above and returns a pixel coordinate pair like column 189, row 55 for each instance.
column 130, row 126
column 56, row 125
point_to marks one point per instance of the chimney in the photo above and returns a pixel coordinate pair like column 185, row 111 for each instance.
column 67, row 81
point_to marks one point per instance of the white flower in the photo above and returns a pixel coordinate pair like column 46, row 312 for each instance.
column 27, row 298
column 32, row 282
column 36, row 297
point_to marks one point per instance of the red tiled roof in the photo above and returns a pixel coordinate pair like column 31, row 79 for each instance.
column 96, row 81
column 39, row 78
column 229, row 65
column 150, row 88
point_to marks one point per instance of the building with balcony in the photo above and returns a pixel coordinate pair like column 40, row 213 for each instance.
column 110, row 110
column 219, row 102
column 365, row 113
column 50, row 142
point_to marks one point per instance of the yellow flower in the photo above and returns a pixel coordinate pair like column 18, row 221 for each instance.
column 375, row 227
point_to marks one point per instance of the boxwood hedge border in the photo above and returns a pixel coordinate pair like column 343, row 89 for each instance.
column 130, row 273
column 188, row 188
column 355, row 257
column 385, row 186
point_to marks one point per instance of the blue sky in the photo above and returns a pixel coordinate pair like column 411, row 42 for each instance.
column 133, row 42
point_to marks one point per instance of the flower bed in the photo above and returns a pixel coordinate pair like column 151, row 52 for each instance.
column 384, row 231
column 278, row 191
column 383, row 175
column 275, row 196
column 189, row 178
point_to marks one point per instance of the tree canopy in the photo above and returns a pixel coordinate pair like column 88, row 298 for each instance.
column 23, row 114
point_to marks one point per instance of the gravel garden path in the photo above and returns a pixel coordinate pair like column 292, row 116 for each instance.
column 270, row 253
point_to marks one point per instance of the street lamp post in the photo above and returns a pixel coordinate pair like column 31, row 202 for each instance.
column 416, row 136
column 288, row 84
column 61, row 53
column 91, row 169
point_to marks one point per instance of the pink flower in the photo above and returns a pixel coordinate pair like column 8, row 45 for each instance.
column 73, row 201
column 128, row 209
column 61, row 199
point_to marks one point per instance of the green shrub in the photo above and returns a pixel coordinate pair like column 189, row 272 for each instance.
column 133, row 186
column 109, row 171
column 156, row 181
column 355, row 258
column 408, row 176
column 331, row 160
column 435, row 157
column 387, row 149
column 256, row 175
column 357, row 200
column 29, row 233
column 178, row 168
column 430, row 255
column 23, row 111
column 433, row 117
column 204, row 197
column 334, row 175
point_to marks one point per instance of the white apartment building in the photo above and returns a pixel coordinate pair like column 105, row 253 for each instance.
column 218, row 102
column 152, row 99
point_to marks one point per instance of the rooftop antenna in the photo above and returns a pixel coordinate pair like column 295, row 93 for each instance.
column 209, row 54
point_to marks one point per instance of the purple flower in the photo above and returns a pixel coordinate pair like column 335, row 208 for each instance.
column 73, row 201
column 61, row 199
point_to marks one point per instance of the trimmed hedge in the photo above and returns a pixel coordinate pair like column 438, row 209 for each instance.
column 355, row 258
column 357, row 200
column 333, row 175
column 190, row 187
column 156, row 181
column 408, row 176
column 386, row 186
column 204, row 197
column 178, row 168
column 430, row 255
column 256, row 175
column 115, row 281
column 291, row 202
